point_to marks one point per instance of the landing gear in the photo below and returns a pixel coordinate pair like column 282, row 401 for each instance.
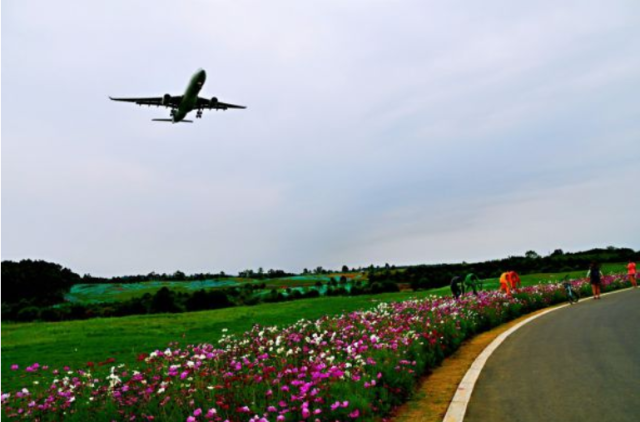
column 173, row 112
column 199, row 114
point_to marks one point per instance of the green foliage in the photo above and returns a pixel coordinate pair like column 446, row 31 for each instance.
column 41, row 282
column 433, row 276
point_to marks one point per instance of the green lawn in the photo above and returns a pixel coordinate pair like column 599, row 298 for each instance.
column 532, row 279
column 74, row 343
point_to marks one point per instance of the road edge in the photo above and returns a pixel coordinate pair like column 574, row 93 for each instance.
column 458, row 406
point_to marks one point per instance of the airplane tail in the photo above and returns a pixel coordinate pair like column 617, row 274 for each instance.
column 171, row 120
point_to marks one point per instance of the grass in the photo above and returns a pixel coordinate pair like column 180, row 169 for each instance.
column 532, row 279
column 107, row 292
column 74, row 343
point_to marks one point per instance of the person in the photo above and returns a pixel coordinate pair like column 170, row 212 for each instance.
column 455, row 286
column 595, row 277
column 505, row 282
column 471, row 281
column 632, row 274
column 514, row 279
column 572, row 295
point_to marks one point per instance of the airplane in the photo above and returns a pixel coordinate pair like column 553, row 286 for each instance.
column 181, row 105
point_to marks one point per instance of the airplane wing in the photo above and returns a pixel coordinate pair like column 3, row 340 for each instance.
column 214, row 104
column 166, row 101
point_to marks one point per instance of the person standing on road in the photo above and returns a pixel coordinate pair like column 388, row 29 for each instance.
column 595, row 277
column 632, row 273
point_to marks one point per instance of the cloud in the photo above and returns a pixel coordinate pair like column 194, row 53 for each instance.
column 376, row 132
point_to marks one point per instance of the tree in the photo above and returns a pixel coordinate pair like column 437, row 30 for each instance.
column 164, row 301
column 531, row 255
column 345, row 269
column 44, row 283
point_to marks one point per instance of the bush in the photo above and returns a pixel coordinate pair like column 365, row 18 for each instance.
column 384, row 287
column 30, row 313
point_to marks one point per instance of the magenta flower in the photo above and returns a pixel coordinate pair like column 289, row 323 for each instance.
column 14, row 367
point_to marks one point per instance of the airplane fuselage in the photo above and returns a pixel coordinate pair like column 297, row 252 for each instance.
column 190, row 97
column 181, row 105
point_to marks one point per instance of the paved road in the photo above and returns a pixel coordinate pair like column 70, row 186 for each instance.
column 580, row 363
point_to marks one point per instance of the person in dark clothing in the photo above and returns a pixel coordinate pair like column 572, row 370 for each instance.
column 456, row 286
column 595, row 277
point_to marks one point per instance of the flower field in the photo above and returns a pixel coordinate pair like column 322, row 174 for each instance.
column 356, row 366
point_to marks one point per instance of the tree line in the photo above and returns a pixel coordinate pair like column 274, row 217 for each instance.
column 35, row 290
column 167, row 300
column 439, row 275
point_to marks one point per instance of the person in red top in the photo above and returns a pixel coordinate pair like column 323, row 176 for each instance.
column 632, row 273
column 514, row 280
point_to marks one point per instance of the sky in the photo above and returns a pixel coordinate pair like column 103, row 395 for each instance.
column 401, row 132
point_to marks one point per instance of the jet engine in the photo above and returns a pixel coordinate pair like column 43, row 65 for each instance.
column 166, row 100
column 213, row 102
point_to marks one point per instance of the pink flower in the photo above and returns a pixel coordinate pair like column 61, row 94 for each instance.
column 197, row 412
column 191, row 419
column 354, row 414
column 14, row 367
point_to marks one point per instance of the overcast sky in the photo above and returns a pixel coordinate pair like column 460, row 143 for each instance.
column 376, row 131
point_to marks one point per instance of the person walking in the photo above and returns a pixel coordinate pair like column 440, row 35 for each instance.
column 595, row 277
column 632, row 273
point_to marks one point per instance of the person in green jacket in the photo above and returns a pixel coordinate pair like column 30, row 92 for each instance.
column 471, row 281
